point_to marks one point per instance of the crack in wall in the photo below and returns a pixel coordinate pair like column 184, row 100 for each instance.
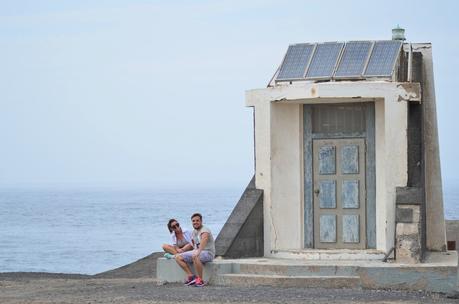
column 273, row 227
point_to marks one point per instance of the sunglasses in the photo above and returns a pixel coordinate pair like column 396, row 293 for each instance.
column 175, row 226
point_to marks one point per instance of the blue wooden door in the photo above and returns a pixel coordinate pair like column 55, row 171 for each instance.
column 339, row 193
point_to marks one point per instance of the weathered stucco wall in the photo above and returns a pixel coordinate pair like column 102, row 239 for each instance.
column 395, row 164
column 286, row 175
column 279, row 152
column 263, row 166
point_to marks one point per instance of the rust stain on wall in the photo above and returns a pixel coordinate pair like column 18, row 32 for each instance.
column 313, row 91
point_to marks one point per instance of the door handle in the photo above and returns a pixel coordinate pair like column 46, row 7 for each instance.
column 317, row 191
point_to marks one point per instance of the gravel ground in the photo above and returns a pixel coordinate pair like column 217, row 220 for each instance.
column 134, row 283
column 148, row 291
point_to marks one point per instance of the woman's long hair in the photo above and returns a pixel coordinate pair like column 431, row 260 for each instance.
column 169, row 224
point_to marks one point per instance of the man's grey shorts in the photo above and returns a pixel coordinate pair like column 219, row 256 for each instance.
column 205, row 256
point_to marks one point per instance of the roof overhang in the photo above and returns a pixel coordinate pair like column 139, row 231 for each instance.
column 307, row 92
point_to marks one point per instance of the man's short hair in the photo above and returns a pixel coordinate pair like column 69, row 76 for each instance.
column 198, row 215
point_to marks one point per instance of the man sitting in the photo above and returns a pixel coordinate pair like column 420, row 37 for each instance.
column 204, row 251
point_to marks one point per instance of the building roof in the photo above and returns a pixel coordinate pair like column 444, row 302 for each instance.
column 328, row 61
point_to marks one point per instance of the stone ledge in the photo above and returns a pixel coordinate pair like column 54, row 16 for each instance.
column 254, row 280
column 168, row 271
column 439, row 273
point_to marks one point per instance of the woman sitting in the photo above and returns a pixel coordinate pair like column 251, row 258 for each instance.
column 181, row 240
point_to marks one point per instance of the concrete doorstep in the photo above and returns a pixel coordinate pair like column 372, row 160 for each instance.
column 438, row 274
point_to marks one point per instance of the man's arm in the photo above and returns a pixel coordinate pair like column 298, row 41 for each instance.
column 204, row 239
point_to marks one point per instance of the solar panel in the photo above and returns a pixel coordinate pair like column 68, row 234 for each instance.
column 324, row 60
column 354, row 57
column 295, row 61
column 382, row 58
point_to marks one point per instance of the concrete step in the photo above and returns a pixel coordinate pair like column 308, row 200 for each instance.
column 252, row 280
column 330, row 254
column 296, row 270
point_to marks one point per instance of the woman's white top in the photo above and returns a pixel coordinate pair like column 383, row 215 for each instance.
column 186, row 234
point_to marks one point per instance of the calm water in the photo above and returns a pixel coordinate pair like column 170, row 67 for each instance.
column 90, row 231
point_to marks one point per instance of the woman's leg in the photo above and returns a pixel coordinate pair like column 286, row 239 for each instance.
column 169, row 248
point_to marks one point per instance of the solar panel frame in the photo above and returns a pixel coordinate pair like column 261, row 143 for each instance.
column 330, row 75
column 343, row 57
column 395, row 57
column 284, row 62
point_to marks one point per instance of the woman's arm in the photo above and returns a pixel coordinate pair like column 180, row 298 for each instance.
column 187, row 247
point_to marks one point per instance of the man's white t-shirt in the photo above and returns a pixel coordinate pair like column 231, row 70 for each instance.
column 210, row 246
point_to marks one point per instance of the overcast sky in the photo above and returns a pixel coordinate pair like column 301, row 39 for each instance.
column 151, row 93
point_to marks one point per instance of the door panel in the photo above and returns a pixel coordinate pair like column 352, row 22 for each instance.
column 327, row 194
column 351, row 229
column 339, row 193
column 327, row 160
column 350, row 194
column 328, row 228
column 350, row 159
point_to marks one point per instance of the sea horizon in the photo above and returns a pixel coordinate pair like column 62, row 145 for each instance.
column 89, row 230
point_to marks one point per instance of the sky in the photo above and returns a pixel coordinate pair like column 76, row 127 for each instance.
column 151, row 93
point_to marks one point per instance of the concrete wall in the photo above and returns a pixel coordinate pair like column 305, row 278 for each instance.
column 242, row 234
column 435, row 224
column 278, row 152
column 263, row 167
column 452, row 232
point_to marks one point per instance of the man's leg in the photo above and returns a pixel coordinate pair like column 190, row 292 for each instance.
column 198, row 265
column 183, row 264
column 198, row 262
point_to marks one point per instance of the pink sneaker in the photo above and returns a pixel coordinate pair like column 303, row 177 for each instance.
column 191, row 280
column 199, row 282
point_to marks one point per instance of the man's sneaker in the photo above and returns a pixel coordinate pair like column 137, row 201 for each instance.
column 199, row 282
column 191, row 280
column 168, row 255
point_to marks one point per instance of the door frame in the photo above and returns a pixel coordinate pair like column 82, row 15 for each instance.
column 370, row 172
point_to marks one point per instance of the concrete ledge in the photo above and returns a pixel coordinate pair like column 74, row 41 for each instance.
column 438, row 274
column 253, row 280
column 328, row 254
column 168, row 270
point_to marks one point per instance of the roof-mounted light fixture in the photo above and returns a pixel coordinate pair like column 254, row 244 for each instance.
column 398, row 33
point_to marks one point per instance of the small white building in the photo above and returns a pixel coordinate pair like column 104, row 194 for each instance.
column 347, row 175
column 345, row 143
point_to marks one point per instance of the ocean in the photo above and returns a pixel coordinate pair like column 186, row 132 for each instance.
column 93, row 230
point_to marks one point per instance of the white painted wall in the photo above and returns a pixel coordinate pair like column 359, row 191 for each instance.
column 279, row 152
column 286, row 175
